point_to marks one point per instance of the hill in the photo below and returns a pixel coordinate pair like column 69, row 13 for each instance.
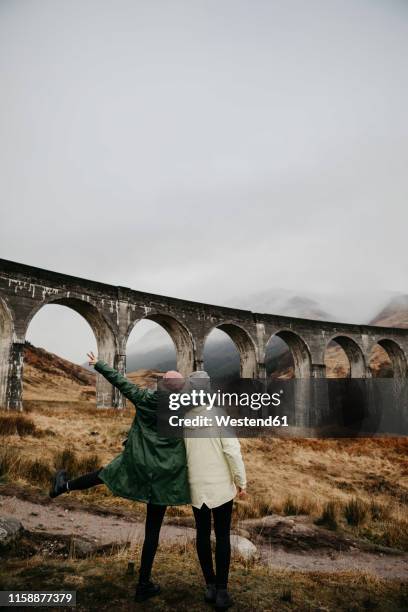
column 50, row 377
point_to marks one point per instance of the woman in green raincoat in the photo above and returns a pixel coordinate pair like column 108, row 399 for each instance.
column 151, row 468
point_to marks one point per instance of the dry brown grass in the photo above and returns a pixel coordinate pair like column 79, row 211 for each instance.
column 365, row 480
column 36, row 471
column 9, row 461
column 74, row 464
column 16, row 466
column 11, row 424
column 355, row 511
column 103, row 583
column 329, row 515
column 291, row 476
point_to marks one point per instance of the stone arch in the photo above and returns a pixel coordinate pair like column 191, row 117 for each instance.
column 300, row 352
column 355, row 355
column 396, row 355
column 106, row 340
column 105, row 335
column 179, row 333
column 245, row 345
column 6, row 340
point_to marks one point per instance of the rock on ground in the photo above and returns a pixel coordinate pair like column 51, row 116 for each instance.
column 241, row 547
column 11, row 531
column 295, row 532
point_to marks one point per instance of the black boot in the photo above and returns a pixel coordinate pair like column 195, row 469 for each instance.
column 59, row 483
column 210, row 593
column 223, row 600
column 145, row 590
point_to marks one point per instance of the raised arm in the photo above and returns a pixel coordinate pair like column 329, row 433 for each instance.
column 133, row 392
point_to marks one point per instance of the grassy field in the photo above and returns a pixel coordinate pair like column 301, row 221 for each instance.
column 354, row 486
column 103, row 583
column 360, row 485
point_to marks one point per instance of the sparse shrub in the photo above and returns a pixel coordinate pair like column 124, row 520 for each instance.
column 379, row 512
column 328, row 518
column 75, row 465
column 264, row 507
column 385, row 534
column 66, row 460
column 287, row 595
column 289, row 507
column 253, row 507
column 294, row 506
column 49, row 432
column 355, row 511
column 9, row 461
column 38, row 471
column 7, row 426
column 25, row 427
column 395, row 534
column 345, row 486
column 244, row 509
column 11, row 424
column 88, row 463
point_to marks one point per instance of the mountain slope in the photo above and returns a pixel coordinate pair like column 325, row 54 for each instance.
column 395, row 313
column 49, row 377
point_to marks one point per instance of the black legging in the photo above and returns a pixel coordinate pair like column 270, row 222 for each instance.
column 222, row 524
column 154, row 519
column 86, row 481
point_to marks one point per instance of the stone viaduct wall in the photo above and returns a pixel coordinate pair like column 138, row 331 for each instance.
column 113, row 311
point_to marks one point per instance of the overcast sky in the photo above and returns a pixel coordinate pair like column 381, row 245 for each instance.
column 206, row 149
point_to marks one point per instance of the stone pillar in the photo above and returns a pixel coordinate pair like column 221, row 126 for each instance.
column 5, row 349
column 106, row 394
column 302, row 403
column 198, row 364
column 119, row 400
column 261, row 370
column 198, row 356
column 318, row 370
column 14, row 393
column 309, row 397
column 319, row 412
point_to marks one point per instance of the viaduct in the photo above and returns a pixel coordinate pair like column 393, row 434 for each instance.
column 113, row 311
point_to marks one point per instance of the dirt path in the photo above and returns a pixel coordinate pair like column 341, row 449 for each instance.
column 381, row 565
column 104, row 530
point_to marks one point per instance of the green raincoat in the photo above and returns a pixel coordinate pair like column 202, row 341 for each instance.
column 150, row 468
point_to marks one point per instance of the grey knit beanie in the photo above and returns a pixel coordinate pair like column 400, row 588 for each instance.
column 199, row 380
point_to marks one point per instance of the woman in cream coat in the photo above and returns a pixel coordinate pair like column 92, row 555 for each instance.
column 216, row 473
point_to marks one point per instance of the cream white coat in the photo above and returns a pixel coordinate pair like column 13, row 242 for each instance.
column 215, row 465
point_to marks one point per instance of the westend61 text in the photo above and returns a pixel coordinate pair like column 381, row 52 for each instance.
column 227, row 421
